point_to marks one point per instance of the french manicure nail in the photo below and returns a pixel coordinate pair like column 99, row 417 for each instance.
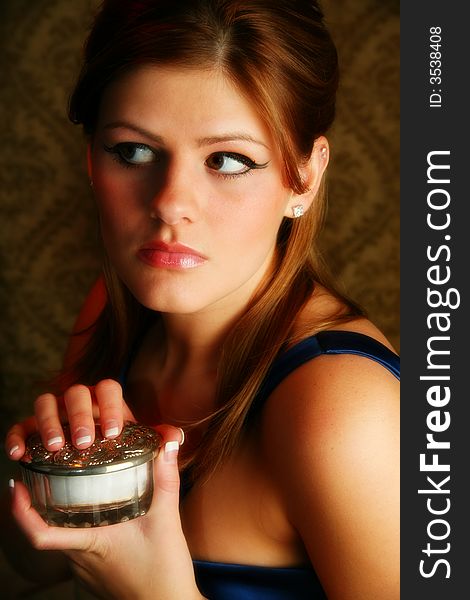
column 54, row 440
column 111, row 432
column 13, row 450
column 182, row 436
column 81, row 441
column 11, row 484
column 171, row 451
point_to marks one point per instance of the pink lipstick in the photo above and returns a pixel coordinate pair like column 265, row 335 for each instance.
column 170, row 256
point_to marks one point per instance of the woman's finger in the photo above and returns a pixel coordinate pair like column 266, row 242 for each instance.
column 108, row 395
column 16, row 437
column 166, row 474
column 46, row 410
column 170, row 432
column 79, row 406
column 41, row 535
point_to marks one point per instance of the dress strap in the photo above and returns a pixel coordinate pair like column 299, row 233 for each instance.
column 326, row 342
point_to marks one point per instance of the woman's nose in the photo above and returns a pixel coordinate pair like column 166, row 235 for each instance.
column 175, row 199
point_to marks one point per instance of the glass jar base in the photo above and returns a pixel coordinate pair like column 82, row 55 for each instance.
column 97, row 515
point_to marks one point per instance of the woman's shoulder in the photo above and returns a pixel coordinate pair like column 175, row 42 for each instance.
column 346, row 345
column 341, row 383
column 329, row 436
column 324, row 311
column 339, row 403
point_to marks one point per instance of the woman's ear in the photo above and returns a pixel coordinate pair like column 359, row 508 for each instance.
column 311, row 173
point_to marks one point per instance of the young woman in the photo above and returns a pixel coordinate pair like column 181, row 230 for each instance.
column 217, row 323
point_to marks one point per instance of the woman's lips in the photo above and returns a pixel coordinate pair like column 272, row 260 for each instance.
column 170, row 256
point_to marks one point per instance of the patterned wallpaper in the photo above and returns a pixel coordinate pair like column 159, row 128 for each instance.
column 48, row 246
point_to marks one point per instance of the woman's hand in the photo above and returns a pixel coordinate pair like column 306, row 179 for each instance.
column 80, row 406
column 143, row 558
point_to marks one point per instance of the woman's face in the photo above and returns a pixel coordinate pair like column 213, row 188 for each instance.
column 189, row 189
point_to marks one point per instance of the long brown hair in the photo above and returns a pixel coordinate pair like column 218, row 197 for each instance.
column 281, row 56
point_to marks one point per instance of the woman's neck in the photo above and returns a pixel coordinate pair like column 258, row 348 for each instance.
column 198, row 338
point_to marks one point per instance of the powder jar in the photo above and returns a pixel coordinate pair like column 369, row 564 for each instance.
column 109, row 482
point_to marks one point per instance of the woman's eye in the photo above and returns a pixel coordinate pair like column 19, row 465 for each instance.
column 133, row 153
column 227, row 163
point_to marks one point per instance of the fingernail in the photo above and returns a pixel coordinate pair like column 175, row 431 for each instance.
column 84, row 439
column 54, row 440
column 111, row 431
column 13, row 450
column 171, row 451
column 11, row 484
column 182, row 436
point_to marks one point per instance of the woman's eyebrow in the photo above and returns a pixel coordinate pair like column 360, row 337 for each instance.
column 230, row 137
column 205, row 141
column 125, row 125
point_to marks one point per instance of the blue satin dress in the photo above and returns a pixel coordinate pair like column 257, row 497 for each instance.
column 221, row 581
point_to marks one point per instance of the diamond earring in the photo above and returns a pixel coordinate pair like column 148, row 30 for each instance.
column 298, row 210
